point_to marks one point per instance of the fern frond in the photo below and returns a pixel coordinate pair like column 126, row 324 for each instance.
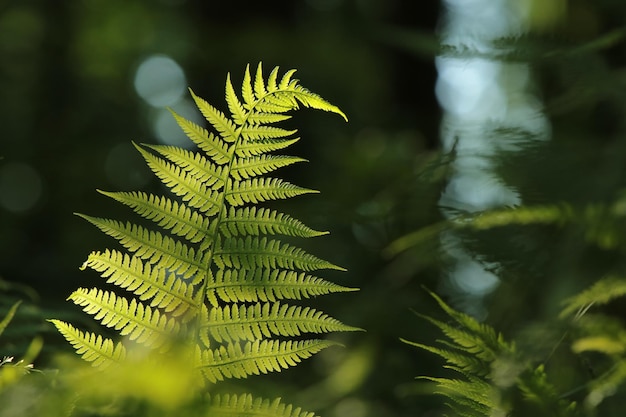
column 169, row 214
column 260, row 118
column 602, row 292
column 471, row 342
column 154, row 247
column 260, row 321
column 286, row 80
column 246, row 405
column 471, row 349
column 284, row 96
column 193, row 163
column 457, row 359
column 259, row 83
column 192, row 190
column 92, row 348
column 244, row 168
column 273, row 104
column 486, row 332
column 257, row 357
column 163, row 289
column 257, row 132
column 131, row 318
column 538, row 391
column 253, row 221
column 234, row 105
column 271, row 80
column 226, row 128
column 249, row 149
column 253, row 253
column 232, row 285
column 309, row 99
column 247, row 91
column 215, row 148
column 207, row 253
column 257, row 190
column 474, row 393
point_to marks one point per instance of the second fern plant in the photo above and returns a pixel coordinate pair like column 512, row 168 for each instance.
column 211, row 272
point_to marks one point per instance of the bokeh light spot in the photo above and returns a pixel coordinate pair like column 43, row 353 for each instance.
column 167, row 130
column 471, row 277
column 469, row 88
column 160, row 81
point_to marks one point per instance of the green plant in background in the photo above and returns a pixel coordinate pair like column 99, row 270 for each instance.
column 497, row 378
column 11, row 370
column 210, row 278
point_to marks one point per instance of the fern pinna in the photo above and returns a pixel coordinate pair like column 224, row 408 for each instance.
column 492, row 377
column 213, row 272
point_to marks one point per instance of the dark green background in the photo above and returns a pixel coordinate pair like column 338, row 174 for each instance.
column 67, row 99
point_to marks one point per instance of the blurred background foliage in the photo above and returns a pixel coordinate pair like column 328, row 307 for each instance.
column 80, row 79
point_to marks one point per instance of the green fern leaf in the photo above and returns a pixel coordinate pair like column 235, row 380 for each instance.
column 247, row 91
column 494, row 373
column 271, row 81
column 162, row 288
column 253, row 253
column 192, row 191
column 92, row 348
column 251, row 167
column 471, row 342
column 258, row 190
column 226, row 128
column 154, row 247
column 259, row 84
column 232, row 285
column 171, row 215
column 193, row 163
column 135, row 319
column 253, row 221
column 260, row 321
column 260, row 118
column 216, row 149
column 286, row 80
column 206, row 253
column 258, row 357
column 273, row 104
column 246, row 405
column 260, row 132
column 475, row 394
column 458, row 360
column 602, row 292
column 249, row 149
column 234, row 105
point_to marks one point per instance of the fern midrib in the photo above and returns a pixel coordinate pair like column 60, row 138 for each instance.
column 215, row 226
